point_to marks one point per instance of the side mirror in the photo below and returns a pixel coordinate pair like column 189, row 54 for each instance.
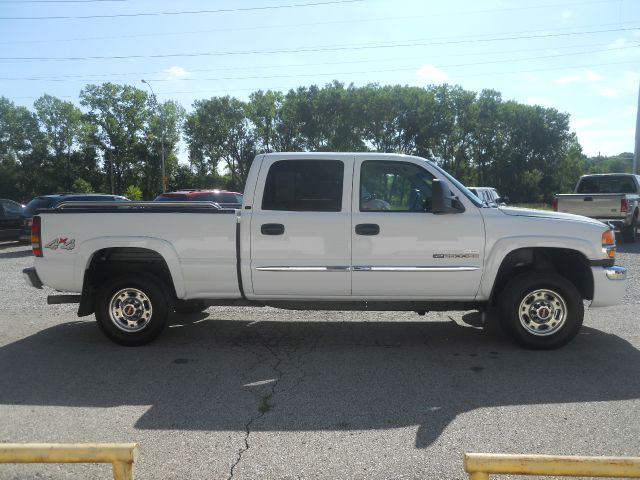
column 442, row 202
column 504, row 200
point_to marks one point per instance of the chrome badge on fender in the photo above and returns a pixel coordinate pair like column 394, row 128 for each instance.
column 62, row 243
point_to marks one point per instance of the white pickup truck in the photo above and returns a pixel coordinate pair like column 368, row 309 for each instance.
column 613, row 198
column 330, row 231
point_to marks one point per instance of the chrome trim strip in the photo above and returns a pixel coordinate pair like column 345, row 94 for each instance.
column 361, row 268
column 303, row 269
column 616, row 273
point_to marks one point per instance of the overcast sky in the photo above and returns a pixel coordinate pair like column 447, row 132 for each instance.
column 580, row 57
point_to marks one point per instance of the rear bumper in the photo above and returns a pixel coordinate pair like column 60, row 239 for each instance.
column 31, row 277
column 609, row 285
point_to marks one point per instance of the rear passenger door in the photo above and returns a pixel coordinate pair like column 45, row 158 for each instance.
column 301, row 228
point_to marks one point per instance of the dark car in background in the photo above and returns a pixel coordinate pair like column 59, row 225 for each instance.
column 223, row 198
column 10, row 219
column 52, row 201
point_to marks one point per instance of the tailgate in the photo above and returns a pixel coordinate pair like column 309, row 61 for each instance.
column 597, row 205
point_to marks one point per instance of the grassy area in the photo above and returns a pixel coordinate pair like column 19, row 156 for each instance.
column 537, row 206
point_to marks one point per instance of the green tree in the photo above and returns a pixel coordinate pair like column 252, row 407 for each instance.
column 22, row 150
column 485, row 112
column 67, row 134
column 120, row 114
column 80, row 185
column 264, row 110
column 163, row 128
column 219, row 131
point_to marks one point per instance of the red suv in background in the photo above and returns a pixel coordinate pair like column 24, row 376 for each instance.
column 222, row 197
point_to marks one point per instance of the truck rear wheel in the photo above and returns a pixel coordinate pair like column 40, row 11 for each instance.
column 541, row 310
column 132, row 309
column 630, row 233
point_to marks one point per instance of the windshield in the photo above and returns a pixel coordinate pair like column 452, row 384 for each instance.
column 467, row 193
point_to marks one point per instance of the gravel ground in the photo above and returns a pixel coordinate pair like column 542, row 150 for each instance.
column 265, row 393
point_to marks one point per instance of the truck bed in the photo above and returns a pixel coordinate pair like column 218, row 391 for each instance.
column 193, row 243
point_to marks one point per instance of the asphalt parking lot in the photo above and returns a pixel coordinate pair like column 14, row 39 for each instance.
column 264, row 393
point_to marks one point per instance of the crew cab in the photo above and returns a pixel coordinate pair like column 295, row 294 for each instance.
column 330, row 231
column 613, row 198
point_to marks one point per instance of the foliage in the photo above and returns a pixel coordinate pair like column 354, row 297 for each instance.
column 133, row 193
column 117, row 141
column 81, row 186
column 622, row 163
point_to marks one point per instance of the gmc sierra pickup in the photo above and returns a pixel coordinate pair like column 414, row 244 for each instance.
column 329, row 231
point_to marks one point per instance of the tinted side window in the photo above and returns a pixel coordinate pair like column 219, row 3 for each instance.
column 12, row 209
column 304, row 186
column 394, row 186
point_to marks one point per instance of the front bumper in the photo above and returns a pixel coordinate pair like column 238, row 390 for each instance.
column 31, row 277
column 608, row 285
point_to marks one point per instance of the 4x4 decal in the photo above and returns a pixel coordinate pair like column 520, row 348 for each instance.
column 63, row 243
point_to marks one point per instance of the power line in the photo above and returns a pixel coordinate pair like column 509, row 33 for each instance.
column 465, row 11
column 284, row 88
column 60, row 1
column 87, row 77
column 281, row 26
column 417, row 43
column 290, row 75
column 192, row 12
column 296, row 25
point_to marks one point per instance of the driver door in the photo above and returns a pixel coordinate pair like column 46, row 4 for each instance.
column 400, row 249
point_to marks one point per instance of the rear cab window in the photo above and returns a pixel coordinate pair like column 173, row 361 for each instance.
column 304, row 186
column 607, row 184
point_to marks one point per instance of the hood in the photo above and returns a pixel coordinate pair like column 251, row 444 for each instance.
column 528, row 212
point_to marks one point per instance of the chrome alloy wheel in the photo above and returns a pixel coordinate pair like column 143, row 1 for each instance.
column 130, row 310
column 542, row 312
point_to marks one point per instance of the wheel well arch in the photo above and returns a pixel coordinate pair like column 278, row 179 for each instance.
column 109, row 262
column 571, row 264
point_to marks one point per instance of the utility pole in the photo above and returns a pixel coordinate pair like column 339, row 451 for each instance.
column 155, row 101
column 636, row 154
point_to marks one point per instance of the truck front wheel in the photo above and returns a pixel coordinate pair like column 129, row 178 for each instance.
column 133, row 309
column 541, row 310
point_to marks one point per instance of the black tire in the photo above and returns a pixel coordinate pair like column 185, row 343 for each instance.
column 147, row 301
column 541, row 310
column 630, row 233
column 190, row 306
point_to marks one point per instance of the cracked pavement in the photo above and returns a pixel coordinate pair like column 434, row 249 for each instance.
column 262, row 393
